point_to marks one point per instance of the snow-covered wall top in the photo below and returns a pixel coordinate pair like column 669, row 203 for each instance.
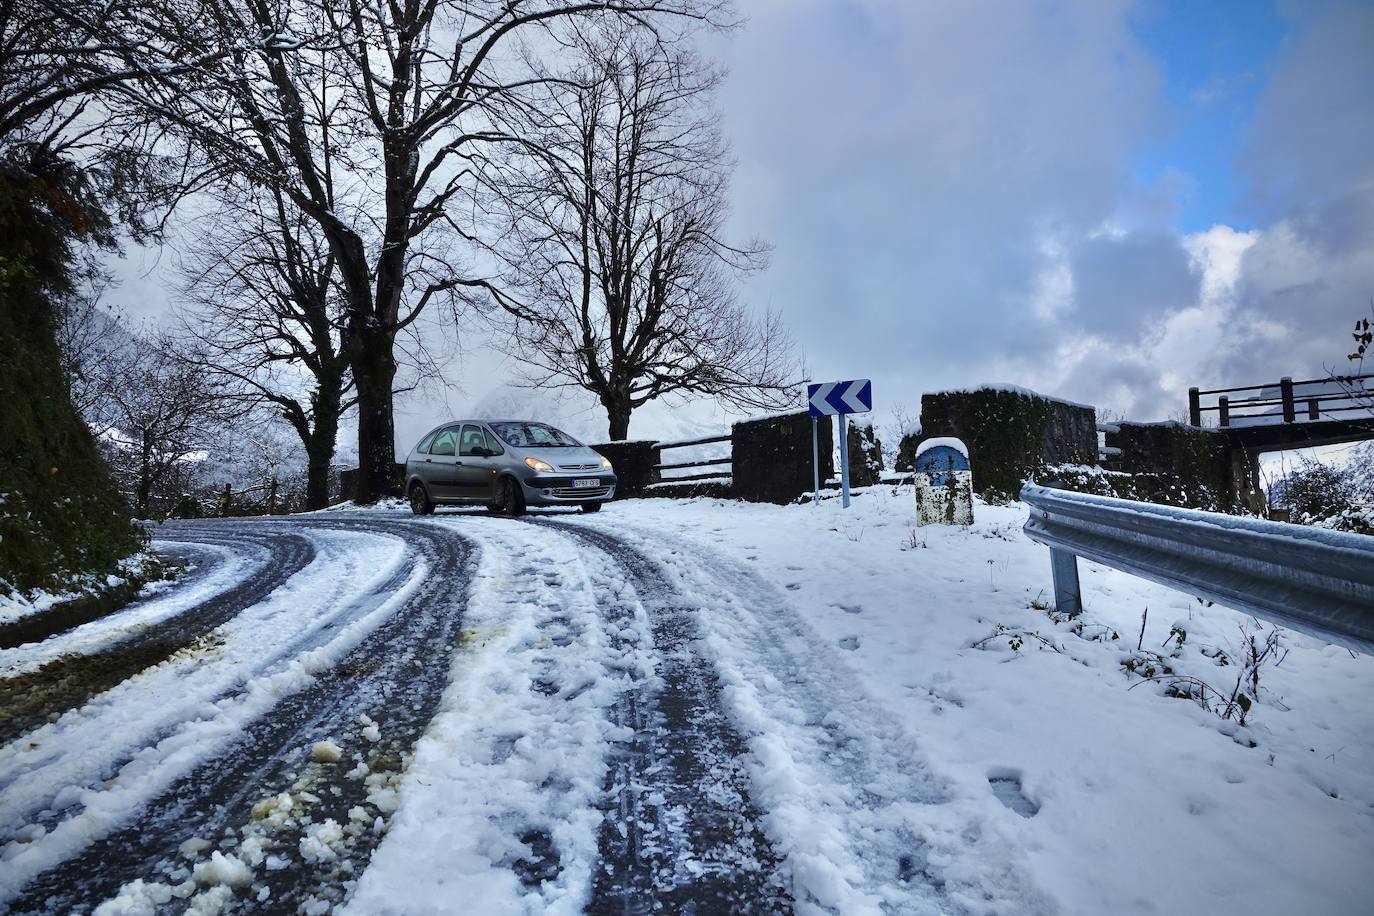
column 1014, row 389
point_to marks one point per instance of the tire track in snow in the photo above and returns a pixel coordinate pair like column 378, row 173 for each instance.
column 46, row 775
column 683, row 835
column 867, row 828
column 268, row 827
column 505, row 796
column 32, row 697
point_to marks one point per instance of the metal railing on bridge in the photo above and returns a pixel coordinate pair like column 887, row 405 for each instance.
column 1313, row 580
column 1287, row 401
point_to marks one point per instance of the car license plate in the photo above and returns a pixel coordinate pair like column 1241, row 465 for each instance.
column 582, row 484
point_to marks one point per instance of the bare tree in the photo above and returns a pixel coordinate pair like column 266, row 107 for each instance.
column 397, row 103
column 622, row 283
column 268, row 311
column 57, row 57
column 159, row 411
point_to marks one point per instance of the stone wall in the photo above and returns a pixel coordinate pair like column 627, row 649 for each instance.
column 865, row 456
column 1011, row 435
column 633, row 463
column 690, row 489
column 772, row 457
column 1187, row 466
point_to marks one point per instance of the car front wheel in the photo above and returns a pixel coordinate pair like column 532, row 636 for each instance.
column 509, row 500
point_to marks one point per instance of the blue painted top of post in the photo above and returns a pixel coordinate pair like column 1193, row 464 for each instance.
column 940, row 462
column 831, row 398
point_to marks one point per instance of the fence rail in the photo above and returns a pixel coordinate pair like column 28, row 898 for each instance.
column 1316, row 581
column 1310, row 397
column 703, row 463
column 683, row 443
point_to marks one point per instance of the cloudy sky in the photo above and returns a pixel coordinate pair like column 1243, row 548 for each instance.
column 1103, row 200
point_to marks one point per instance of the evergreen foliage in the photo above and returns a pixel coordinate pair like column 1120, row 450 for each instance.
column 61, row 516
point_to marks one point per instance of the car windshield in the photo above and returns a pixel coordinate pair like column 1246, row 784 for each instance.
column 528, row 435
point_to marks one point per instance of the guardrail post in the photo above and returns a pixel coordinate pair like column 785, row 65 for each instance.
column 1064, row 567
column 1194, row 407
column 1224, row 410
column 1286, row 391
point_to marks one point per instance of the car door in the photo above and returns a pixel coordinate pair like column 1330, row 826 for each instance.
column 415, row 463
column 440, row 466
column 475, row 470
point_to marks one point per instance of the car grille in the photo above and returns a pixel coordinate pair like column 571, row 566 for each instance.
column 580, row 492
column 579, row 467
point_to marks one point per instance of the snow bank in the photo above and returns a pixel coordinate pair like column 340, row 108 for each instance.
column 1127, row 785
column 228, row 567
column 15, row 605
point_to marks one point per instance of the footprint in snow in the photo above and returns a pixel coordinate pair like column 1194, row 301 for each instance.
column 850, row 608
column 1006, row 785
column 793, row 586
column 849, row 642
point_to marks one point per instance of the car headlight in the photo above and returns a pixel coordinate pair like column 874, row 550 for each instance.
column 542, row 466
column 605, row 462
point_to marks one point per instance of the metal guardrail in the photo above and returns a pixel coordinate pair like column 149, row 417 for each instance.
column 1316, row 581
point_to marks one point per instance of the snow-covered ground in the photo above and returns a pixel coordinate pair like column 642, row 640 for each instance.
column 1146, row 803
column 917, row 732
column 1063, row 781
column 15, row 605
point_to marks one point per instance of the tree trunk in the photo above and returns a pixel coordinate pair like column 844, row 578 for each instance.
column 319, row 453
column 374, row 374
column 319, row 445
column 317, row 479
column 145, row 481
column 618, row 413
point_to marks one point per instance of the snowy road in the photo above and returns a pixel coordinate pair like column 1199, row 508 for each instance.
column 244, row 739
column 647, row 710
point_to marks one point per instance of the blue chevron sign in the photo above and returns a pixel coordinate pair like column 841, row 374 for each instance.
column 840, row 397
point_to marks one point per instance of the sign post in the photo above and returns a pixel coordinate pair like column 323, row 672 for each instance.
column 815, row 464
column 837, row 399
column 844, row 458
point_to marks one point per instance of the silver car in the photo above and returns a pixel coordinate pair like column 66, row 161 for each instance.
column 505, row 465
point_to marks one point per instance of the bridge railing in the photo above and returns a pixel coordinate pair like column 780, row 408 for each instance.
column 1313, row 580
column 1305, row 400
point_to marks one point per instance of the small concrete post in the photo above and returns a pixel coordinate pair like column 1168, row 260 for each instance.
column 1194, row 407
column 1064, row 568
column 944, row 483
column 1224, row 410
column 1313, row 412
